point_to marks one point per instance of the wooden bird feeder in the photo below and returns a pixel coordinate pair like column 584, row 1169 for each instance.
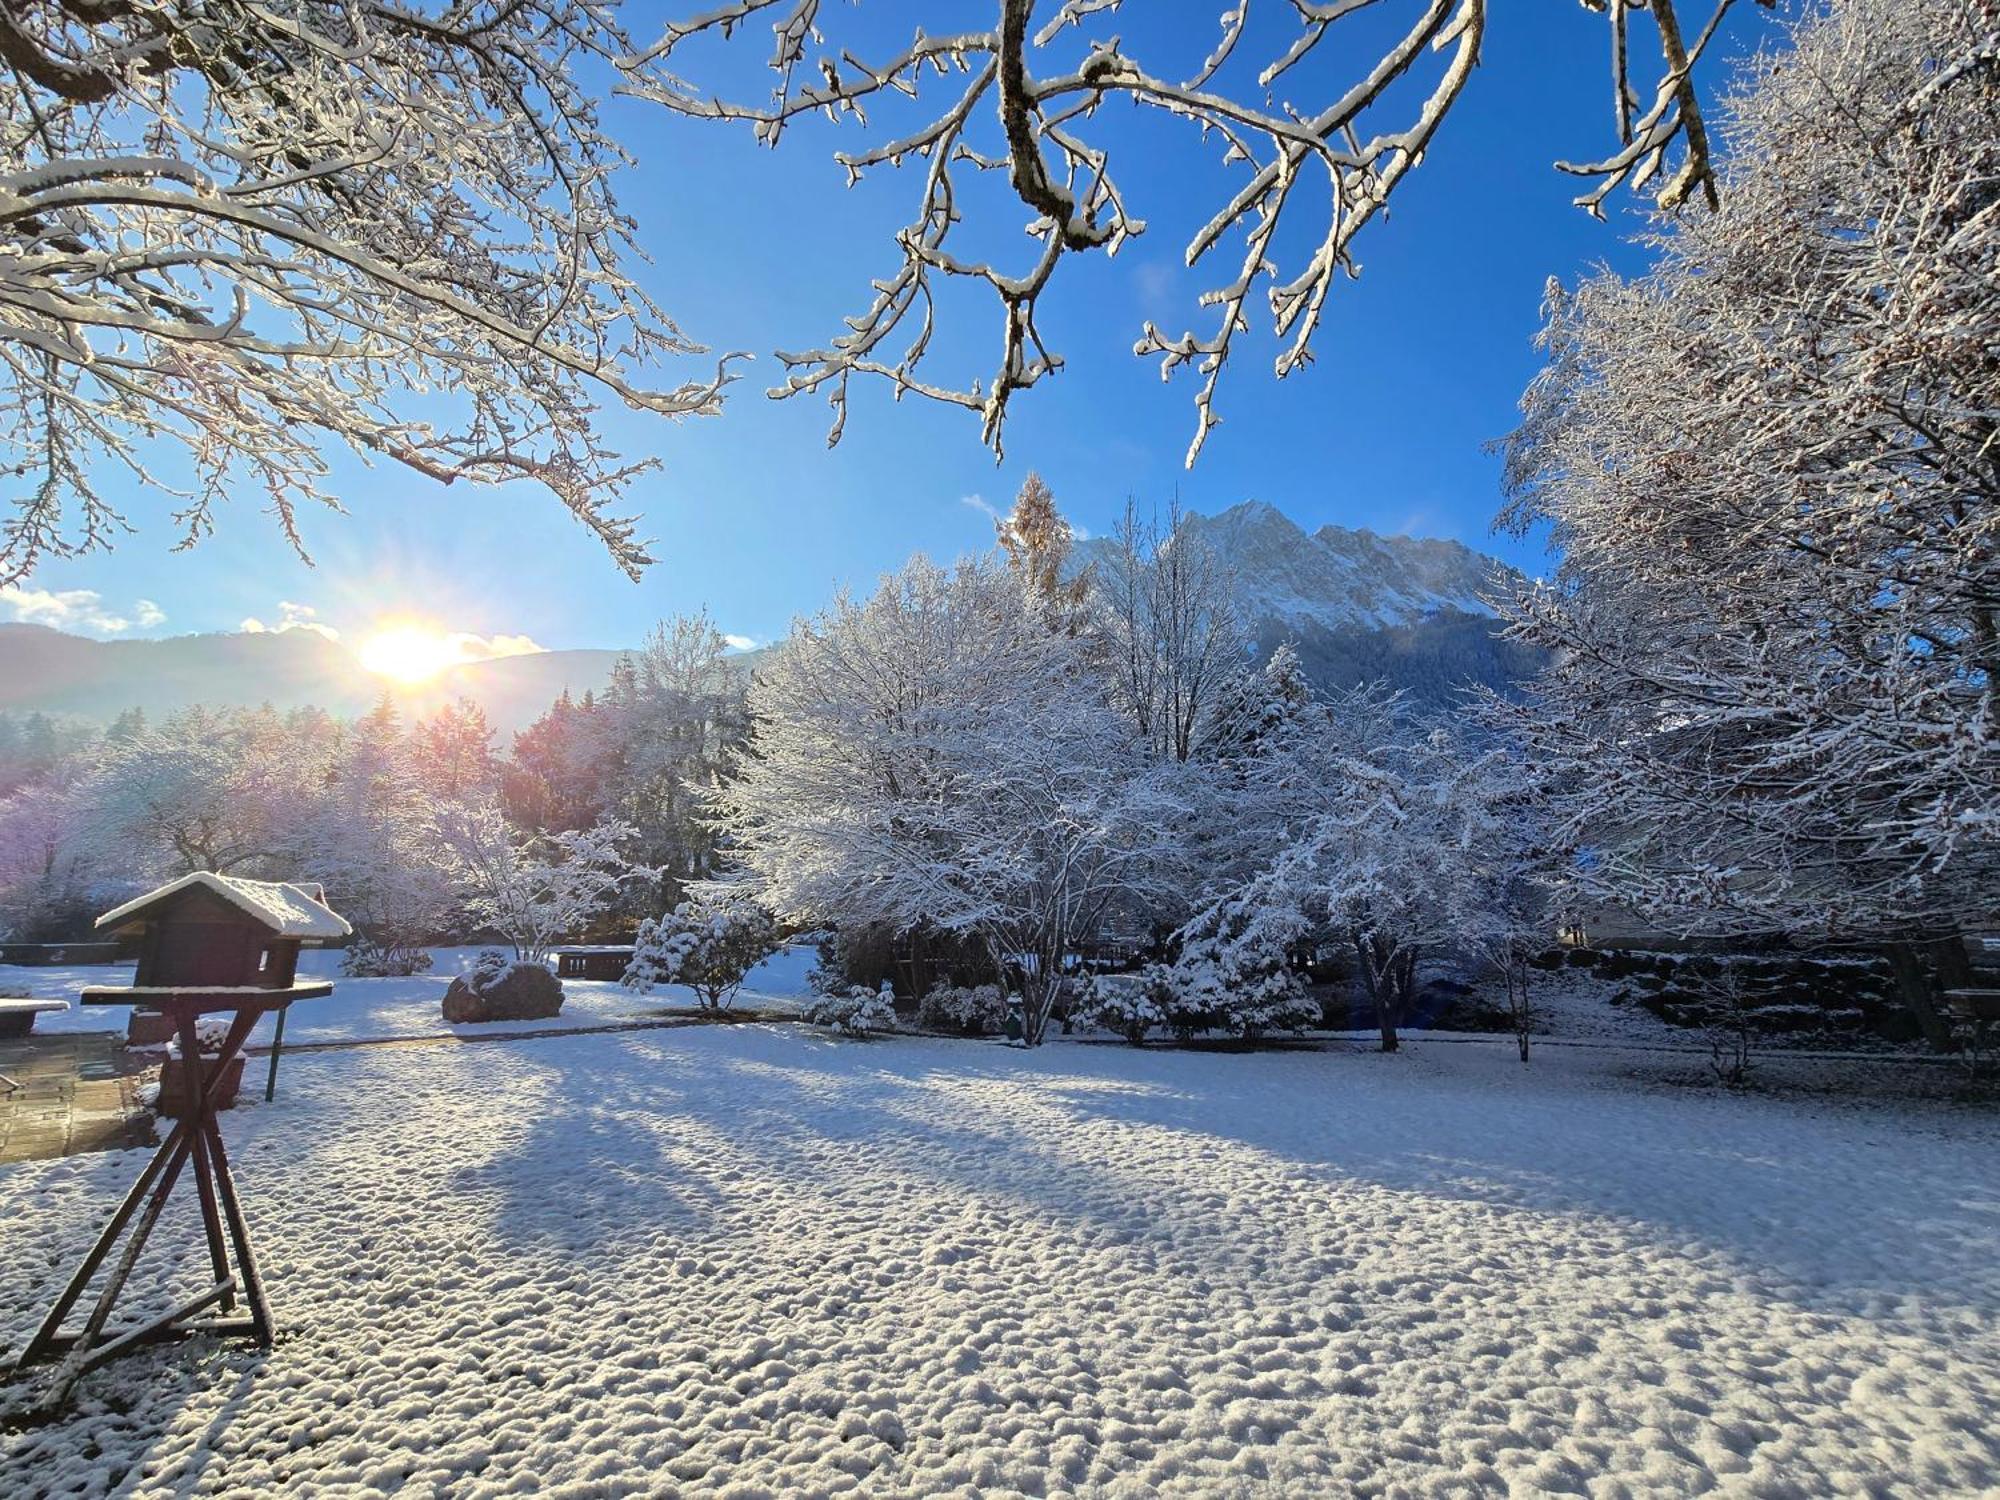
column 209, row 944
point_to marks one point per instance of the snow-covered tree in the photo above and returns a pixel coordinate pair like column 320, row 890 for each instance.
column 939, row 757
column 1166, row 628
column 47, row 867
column 367, row 838
column 675, row 712
column 709, row 943
column 224, row 790
column 1306, row 111
column 238, row 229
column 1406, row 839
column 1770, row 466
column 535, row 890
column 1038, row 542
column 1233, row 972
column 451, row 752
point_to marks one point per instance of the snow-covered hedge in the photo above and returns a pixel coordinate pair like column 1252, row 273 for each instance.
column 1206, row 990
column 854, row 1012
column 366, row 959
column 976, row 1010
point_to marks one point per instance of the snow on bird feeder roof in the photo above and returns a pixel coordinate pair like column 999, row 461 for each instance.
column 289, row 910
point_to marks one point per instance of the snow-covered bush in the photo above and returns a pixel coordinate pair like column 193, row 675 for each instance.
column 708, row 943
column 1129, row 1004
column 976, row 1010
column 366, row 959
column 856, row 1012
column 489, row 966
column 210, row 1032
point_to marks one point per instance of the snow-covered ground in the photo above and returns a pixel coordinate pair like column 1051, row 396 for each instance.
column 760, row 1260
column 379, row 1009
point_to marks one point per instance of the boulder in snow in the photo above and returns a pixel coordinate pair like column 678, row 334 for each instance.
column 508, row 992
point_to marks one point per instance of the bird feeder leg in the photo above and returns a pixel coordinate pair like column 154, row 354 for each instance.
column 277, row 1046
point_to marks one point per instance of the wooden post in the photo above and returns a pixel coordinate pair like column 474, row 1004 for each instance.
column 192, row 1092
column 277, row 1046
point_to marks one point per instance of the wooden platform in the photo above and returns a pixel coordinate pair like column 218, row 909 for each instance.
column 77, row 1093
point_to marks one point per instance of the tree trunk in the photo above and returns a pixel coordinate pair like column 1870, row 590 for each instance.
column 1517, row 999
column 1037, row 997
column 1913, row 987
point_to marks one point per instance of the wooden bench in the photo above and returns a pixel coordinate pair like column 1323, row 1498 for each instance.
column 1973, row 1011
column 608, row 961
column 18, row 1012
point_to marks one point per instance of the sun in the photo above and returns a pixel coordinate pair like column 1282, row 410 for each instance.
column 407, row 653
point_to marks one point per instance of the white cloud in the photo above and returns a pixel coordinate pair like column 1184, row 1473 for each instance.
column 290, row 617
column 739, row 642
column 1156, row 281
column 77, row 609
column 464, row 646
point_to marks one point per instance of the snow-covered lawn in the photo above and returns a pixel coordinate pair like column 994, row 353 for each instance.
column 759, row 1260
column 378, row 1009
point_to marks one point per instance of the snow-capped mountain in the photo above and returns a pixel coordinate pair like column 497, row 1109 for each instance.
column 1360, row 606
column 1356, row 605
column 1336, row 579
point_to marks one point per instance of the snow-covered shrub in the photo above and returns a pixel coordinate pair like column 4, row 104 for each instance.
column 489, row 966
column 854, row 1012
column 366, row 959
column 210, row 1032
column 708, row 943
column 976, row 1010
column 1128, row 1004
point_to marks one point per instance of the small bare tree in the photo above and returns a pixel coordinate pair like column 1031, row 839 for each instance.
column 1726, row 1018
column 1167, row 631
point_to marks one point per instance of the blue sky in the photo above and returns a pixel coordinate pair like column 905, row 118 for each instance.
column 1420, row 364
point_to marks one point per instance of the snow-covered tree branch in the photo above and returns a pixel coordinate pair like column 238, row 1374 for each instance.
column 1024, row 102
column 240, row 229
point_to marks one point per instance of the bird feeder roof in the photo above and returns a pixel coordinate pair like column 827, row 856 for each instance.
column 288, row 910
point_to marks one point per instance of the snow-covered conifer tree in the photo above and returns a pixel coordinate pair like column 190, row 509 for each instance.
column 709, row 943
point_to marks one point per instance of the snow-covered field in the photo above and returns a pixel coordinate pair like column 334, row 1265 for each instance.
column 759, row 1260
column 381, row 1009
